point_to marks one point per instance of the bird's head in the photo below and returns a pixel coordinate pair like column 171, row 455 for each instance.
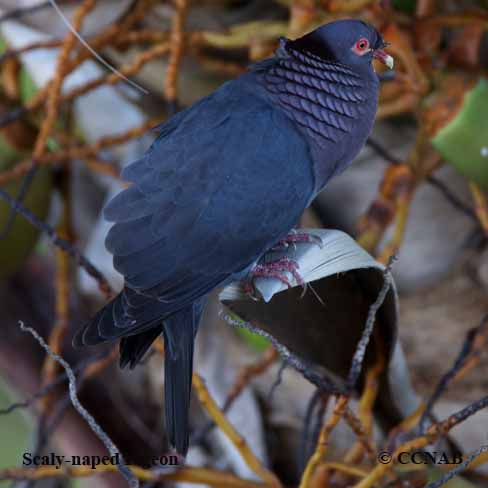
column 350, row 42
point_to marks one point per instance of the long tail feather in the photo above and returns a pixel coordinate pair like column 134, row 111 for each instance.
column 133, row 348
column 179, row 333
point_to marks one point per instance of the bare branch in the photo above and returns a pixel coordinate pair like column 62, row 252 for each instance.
column 59, row 242
column 99, row 432
column 358, row 358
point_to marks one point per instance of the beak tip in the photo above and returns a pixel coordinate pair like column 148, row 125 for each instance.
column 384, row 58
column 390, row 61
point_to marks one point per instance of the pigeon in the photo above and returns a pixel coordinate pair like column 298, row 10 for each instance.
column 224, row 182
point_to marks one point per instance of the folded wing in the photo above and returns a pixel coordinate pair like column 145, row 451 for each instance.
column 223, row 182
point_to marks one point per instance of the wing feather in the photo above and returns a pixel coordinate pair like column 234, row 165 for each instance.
column 211, row 195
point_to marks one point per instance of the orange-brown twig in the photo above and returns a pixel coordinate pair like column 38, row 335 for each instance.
column 302, row 14
column 103, row 167
column 404, row 103
column 239, row 442
column 11, row 53
column 188, row 474
column 340, row 6
column 363, row 444
column 63, row 288
column 457, row 19
column 78, row 152
column 395, row 186
column 10, row 75
column 366, row 403
column 124, row 39
column 248, row 373
column 57, row 82
column 98, row 366
column 129, row 69
column 323, row 442
column 480, row 461
column 433, row 433
column 411, row 83
column 395, row 196
column 177, row 41
column 345, row 468
column 107, row 37
column 480, row 205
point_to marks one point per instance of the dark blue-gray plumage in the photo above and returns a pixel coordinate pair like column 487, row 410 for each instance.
column 226, row 180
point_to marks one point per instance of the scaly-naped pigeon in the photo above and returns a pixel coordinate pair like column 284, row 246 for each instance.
column 223, row 183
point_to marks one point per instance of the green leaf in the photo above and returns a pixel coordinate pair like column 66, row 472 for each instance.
column 463, row 142
column 27, row 87
column 23, row 237
column 8, row 153
column 15, row 433
column 3, row 45
column 255, row 341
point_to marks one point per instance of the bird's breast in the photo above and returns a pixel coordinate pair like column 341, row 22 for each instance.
column 332, row 106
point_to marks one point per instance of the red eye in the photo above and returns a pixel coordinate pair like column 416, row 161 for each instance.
column 361, row 46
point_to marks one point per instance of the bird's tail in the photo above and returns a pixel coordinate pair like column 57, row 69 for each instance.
column 133, row 348
column 179, row 334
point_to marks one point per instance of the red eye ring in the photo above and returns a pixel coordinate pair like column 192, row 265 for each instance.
column 361, row 46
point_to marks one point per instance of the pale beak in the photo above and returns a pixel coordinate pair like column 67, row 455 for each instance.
column 384, row 58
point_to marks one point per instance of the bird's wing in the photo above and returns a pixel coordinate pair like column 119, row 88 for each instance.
column 212, row 194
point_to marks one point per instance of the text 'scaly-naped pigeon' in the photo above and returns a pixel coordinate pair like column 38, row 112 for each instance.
column 224, row 182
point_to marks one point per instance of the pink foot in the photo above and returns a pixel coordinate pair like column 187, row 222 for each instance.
column 274, row 269
column 299, row 238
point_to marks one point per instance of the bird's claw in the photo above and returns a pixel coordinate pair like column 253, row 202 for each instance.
column 274, row 269
column 299, row 238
